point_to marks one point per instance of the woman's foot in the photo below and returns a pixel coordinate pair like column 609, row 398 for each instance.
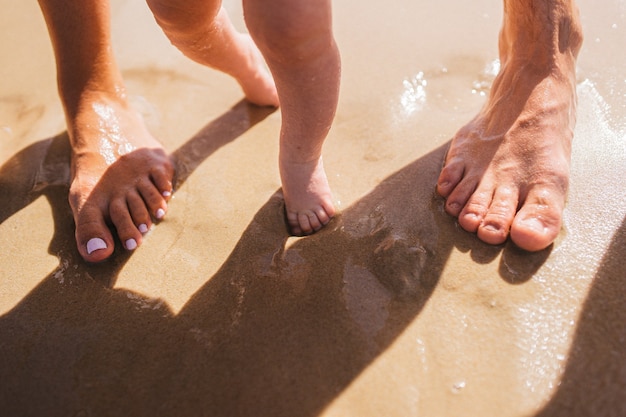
column 121, row 176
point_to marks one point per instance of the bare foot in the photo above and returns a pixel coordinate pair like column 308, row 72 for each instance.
column 507, row 171
column 122, row 178
column 308, row 199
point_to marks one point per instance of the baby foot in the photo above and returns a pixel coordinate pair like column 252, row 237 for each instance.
column 308, row 199
column 121, row 178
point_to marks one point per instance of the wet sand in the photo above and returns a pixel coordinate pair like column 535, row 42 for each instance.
column 392, row 310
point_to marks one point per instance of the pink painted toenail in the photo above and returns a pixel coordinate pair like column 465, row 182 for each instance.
column 166, row 194
column 131, row 244
column 160, row 213
column 95, row 244
column 143, row 228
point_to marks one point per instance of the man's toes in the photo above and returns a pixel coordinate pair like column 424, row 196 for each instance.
column 93, row 238
column 127, row 231
column 497, row 222
column 459, row 196
column 538, row 223
column 450, row 176
column 473, row 214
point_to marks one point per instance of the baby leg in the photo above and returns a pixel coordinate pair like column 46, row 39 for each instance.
column 202, row 30
column 296, row 39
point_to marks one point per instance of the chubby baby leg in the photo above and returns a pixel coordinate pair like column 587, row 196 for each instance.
column 296, row 39
column 202, row 30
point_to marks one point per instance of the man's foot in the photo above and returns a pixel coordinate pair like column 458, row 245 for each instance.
column 308, row 199
column 507, row 171
column 121, row 177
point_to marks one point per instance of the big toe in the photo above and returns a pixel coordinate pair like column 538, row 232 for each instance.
column 535, row 233
column 537, row 225
column 93, row 237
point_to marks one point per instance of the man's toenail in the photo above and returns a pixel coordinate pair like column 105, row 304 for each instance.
column 131, row 244
column 535, row 224
column 491, row 227
column 95, row 244
column 160, row 213
column 143, row 228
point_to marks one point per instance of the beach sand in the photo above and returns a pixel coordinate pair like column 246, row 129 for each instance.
column 392, row 310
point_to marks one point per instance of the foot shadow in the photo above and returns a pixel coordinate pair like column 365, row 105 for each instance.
column 279, row 328
column 594, row 380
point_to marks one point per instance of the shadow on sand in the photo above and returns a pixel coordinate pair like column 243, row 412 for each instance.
column 594, row 380
column 277, row 331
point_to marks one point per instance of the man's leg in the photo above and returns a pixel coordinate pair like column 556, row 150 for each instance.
column 120, row 174
column 296, row 39
column 507, row 171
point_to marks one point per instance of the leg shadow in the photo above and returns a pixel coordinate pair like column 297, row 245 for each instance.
column 72, row 345
column 594, row 381
column 286, row 329
column 281, row 329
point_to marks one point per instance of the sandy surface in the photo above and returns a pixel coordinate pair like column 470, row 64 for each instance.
column 392, row 310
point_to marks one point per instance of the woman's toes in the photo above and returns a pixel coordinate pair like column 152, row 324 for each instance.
column 153, row 199
column 162, row 177
column 95, row 244
column 93, row 238
column 127, row 231
column 138, row 212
